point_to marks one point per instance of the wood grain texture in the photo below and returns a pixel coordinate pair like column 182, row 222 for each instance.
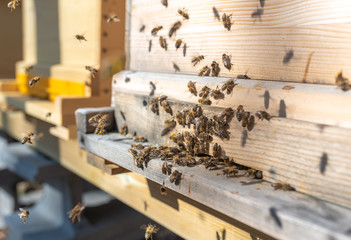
column 104, row 165
column 272, row 42
column 186, row 217
column 312, row 157
column 284, row 215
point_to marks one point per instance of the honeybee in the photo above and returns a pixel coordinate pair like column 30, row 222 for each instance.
column 189, row 161
column 205, row 71
column 211, row 164
column 166, row 168
column 164, row 3
column 113, row 18
column 197, row 59
column 91, row 70
column 174, row 28
column 217, row 94
column 221, row 133
column 263, row 115
column 217, row 150
column 28, row 138
column 215, row 69
column 184, row 13
column 163, row 189
column 245, row 119
column 192, row 88
column 251, row 123
column 76, row 212
column 170, row 124
column 48, row 114
column 239, row 112
column 243, row 76
column 155, row 30
column 124, row 129
column 230, row 171
column 149, row 230
column 206, row 137
column 342, row 82
column 139, row 139
column 34, row 81
column 28, row 68
column 229, row 86
column 166, row 107
column 178, row 43
column 254, row 173
column 80, row 38
column 228, row 113
column 227, row 22
column 153, row 105
column 138, row 146
column 283, row 186
column 161, row 98
column 175, row 177
column 204, row 92
column 24, row 214
column 163, row 43
column 95, row 119
column 13, row 4
column 205, row 101
column 101, row 124
column 227, row 61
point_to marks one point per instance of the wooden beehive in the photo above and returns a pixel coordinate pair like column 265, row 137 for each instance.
column 292, row 53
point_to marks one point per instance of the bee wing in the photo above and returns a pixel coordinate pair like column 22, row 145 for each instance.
column 21, row 209
column 94, row 124
column 143, row 227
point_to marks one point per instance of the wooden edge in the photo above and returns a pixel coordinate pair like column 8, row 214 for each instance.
column 253, row 202
column 84, row 114
column 69, row 104
column 307, row 102
column 104, row 165
column 64, row 133
column 8, row 85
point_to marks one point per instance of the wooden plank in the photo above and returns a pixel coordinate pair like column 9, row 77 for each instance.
column 312, row 157
column 307, row 102
column 270, row 42
column 104, row 165
column 64, row 133
column 284, row 215
column 190, row 219
column 8, row 85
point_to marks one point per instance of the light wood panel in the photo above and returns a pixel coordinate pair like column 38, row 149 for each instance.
column 259, row 41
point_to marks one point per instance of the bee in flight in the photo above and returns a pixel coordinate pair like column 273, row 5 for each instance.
column 92, row 70
column 197, row 59
column 76, row 212
column 24, row 214
column 113, row 18
column 28, row 68
column 34, row 81
column 28, row 138
column 80, row 37
column 149, row 230
column 13, row 4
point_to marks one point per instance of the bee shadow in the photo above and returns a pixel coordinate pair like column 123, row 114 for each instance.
column 288, row 56
column 282, row 109
column 274, row 214
column 257, row 14
column 244, row 137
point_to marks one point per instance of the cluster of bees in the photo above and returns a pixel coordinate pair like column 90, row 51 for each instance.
column 100, row 121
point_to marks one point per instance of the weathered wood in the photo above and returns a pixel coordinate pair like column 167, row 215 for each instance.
column 104, row 165
column 285, row 215
column 270, row 42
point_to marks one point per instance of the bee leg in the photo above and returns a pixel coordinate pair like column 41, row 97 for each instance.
column 30, row 141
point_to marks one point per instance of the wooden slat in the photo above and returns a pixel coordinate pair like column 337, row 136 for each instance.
column 64, row 133
column 284, row 215
column 8, row 85
column 313, row 157
column 104, row 165
column 258, row 43
column 189, row 219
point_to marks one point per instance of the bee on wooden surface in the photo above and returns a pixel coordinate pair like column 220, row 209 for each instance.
column 139, row 139
column 102, row 123
column 95, row 119
column 138, row 146
column 178, row 43
column 177, row 160
column 239, row 112
column 228, row 113
column 215, row 69
column 180, row 118
column 197, row 59
column 205, row 101
column 205, row 71
column 163, row 189
column 211, row 164
column 192, row 88
column 91, row 70
column 227, row 22
column 184, row 13
column 170, row 124
column 155, row 30
column 204, row 92
column 163, row 43
column 153, row 105
column 28, row 138
column 24, row 214
column 221, row 133
column 48, row 114
column 254, row 173
column 263, row 115
column 229, row 86
column 217, row 150
column 205, row 137
column 113, row 18
column 34, row 81
column 166, row 107
column 175, row 177
column 80, row 37
column 76, row 212
column 283, row 186
column 342, row 82
column 124, row 129
column 196, row 111
column 161, row 98
column 149, row 230
column 164, row 3
column 251, row 123
column 230, row 171
column 13, row 4
column 174, row 28
column 227, row 61
column 243, row 76
column 245, row 119
column 217, row 94
column 28, row 68
column 166, row 168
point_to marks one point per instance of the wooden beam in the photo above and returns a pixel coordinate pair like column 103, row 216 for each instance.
column 8, row 85
column 253, row 202
column 64, row 133
column 104, row 165
column 296, row 41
